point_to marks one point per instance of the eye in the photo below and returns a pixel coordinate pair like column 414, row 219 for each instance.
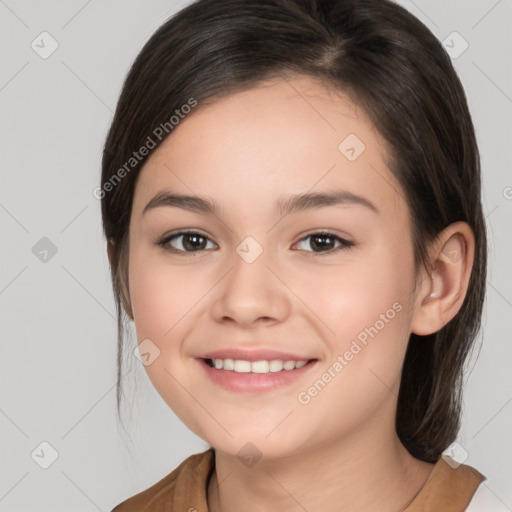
column 325, row 243
column 185, row 242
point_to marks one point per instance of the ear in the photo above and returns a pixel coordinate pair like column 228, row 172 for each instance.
column 442, row 294
column 125, row 297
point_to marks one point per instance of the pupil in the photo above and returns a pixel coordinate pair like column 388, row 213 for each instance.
column 323, row 244
column 195, row 244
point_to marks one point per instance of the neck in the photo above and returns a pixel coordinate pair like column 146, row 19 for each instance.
column 366, row 471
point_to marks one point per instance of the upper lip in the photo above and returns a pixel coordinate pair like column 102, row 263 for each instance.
column 253, row 355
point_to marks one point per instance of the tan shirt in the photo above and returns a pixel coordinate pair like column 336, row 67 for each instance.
column 448, row 489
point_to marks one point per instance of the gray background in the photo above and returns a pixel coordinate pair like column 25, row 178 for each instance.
column 58, row 316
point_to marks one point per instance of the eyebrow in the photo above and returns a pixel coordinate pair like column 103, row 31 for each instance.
column 283, row 206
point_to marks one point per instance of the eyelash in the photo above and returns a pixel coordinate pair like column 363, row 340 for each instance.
column 164, row 241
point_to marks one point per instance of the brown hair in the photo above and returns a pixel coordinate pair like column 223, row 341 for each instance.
column 399, row 73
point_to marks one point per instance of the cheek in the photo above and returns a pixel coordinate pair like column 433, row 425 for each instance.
column 163, row 300
column 161, row 295
column 151, row 302
column 365, row 308
column 351, row 297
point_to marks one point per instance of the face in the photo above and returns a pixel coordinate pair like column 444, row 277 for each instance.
column 328, row 280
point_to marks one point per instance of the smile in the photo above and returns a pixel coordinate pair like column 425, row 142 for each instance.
column 254, row 376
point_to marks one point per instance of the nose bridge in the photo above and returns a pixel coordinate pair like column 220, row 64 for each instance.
column 250, row 275
column 250, row 289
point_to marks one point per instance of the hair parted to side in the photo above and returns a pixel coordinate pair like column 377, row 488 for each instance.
column 398, row 72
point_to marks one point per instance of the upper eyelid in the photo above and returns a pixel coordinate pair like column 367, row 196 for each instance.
column 165, row 239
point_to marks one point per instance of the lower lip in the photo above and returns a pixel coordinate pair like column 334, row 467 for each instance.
column 254, row 382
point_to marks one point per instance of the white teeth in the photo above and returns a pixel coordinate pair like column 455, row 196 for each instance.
column 276, row 366
column 241, row 366
column 289, row 365
column 229, row 364
column 260, row 367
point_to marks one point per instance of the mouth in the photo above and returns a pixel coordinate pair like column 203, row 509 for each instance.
column 256, row 376
column 263, row 366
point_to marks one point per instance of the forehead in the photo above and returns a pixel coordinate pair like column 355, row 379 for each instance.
column 283, row 136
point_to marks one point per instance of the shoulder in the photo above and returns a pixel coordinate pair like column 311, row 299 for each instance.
column 187, row 482
column 450, row 487
column 456, row 487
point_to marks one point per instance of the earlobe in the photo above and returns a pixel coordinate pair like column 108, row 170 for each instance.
column 435, row 288
column 442, row 294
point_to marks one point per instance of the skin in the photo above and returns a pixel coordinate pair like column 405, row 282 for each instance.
column 340, row 451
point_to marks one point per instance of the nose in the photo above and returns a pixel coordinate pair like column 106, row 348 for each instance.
column 251, row 293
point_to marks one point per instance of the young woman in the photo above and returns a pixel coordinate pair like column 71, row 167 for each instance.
column 291, row 199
